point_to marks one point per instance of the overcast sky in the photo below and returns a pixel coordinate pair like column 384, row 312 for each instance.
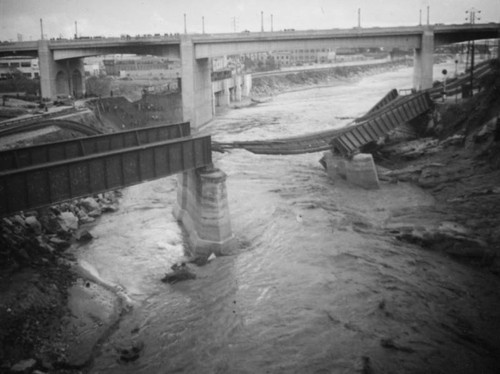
column 116, row 17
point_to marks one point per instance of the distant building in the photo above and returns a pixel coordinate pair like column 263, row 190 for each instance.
column 28, row 66
column 140, row 66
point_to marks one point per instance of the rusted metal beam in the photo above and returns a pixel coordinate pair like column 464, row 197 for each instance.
column 27, row 156
column 49, row 183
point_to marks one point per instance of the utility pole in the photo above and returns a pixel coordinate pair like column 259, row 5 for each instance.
column 271, row 23
column 420, row 18
column 261, row 21
column 185, row 26
column 203, row 24
column 472, row 18
column 76, row 30
column 41, row 27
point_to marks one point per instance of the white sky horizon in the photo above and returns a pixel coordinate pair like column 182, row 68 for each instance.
column 116, row 17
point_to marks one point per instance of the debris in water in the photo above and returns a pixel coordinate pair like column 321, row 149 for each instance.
column 389, row 343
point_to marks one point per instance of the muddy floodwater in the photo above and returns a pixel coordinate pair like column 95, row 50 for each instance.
column 316, row 286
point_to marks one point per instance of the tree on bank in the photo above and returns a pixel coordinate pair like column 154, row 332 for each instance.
column 18, row 82
column 98, row 86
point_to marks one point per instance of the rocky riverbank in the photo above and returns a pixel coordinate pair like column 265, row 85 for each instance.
column 458, row 161
column 52, row 312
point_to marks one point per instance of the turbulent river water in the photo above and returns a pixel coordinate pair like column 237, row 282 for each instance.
column 308, row 288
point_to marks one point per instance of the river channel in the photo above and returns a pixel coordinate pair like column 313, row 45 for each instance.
column 303, row 293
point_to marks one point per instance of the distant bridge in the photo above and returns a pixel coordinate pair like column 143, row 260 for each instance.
column 61, row 65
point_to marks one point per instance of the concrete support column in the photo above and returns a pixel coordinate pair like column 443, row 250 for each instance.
column 71, row 74
column 226, row 93
column 423, row 62
column 203, row 210
column 237, row 87
column 214, row 102
column 48, row 70
column 247, row 85
column 196, row 85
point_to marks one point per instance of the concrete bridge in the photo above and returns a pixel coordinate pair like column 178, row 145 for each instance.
column 61, row 66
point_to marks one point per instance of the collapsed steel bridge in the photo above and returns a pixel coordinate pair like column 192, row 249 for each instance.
column 391, row 111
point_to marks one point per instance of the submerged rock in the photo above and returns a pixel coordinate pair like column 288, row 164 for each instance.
column 131, row 353
column 24, row 366
column 83, row 236
column 180, row 272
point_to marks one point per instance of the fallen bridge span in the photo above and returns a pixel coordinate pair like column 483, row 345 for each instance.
column 393, row 110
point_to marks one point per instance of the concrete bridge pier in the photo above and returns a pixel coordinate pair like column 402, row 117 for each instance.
column 203, row 210
column 196, row 86
column 423, row 62
column 237, row 87
column 65, row 77
column 226, row 93
column 246, row 86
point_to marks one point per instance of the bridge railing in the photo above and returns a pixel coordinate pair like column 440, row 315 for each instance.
column 49, row 183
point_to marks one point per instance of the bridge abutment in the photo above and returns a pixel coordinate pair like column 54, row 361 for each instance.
column 203, row 210
column 423, row 61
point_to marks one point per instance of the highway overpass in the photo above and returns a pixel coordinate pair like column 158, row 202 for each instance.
column 61, row 66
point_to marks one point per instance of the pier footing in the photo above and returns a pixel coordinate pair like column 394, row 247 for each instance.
column 360, row 170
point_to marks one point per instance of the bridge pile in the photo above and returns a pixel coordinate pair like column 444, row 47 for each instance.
column 36, row 176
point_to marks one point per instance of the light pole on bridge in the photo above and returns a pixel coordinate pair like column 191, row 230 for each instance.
column 471, row 16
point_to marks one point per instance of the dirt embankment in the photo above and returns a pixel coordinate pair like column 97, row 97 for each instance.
column 458, row 162
column 273, row 85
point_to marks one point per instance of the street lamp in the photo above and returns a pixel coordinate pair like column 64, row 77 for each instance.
column 471, row 16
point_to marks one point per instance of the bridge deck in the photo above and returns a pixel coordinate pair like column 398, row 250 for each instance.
column 49, row 183
column 85, row 146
